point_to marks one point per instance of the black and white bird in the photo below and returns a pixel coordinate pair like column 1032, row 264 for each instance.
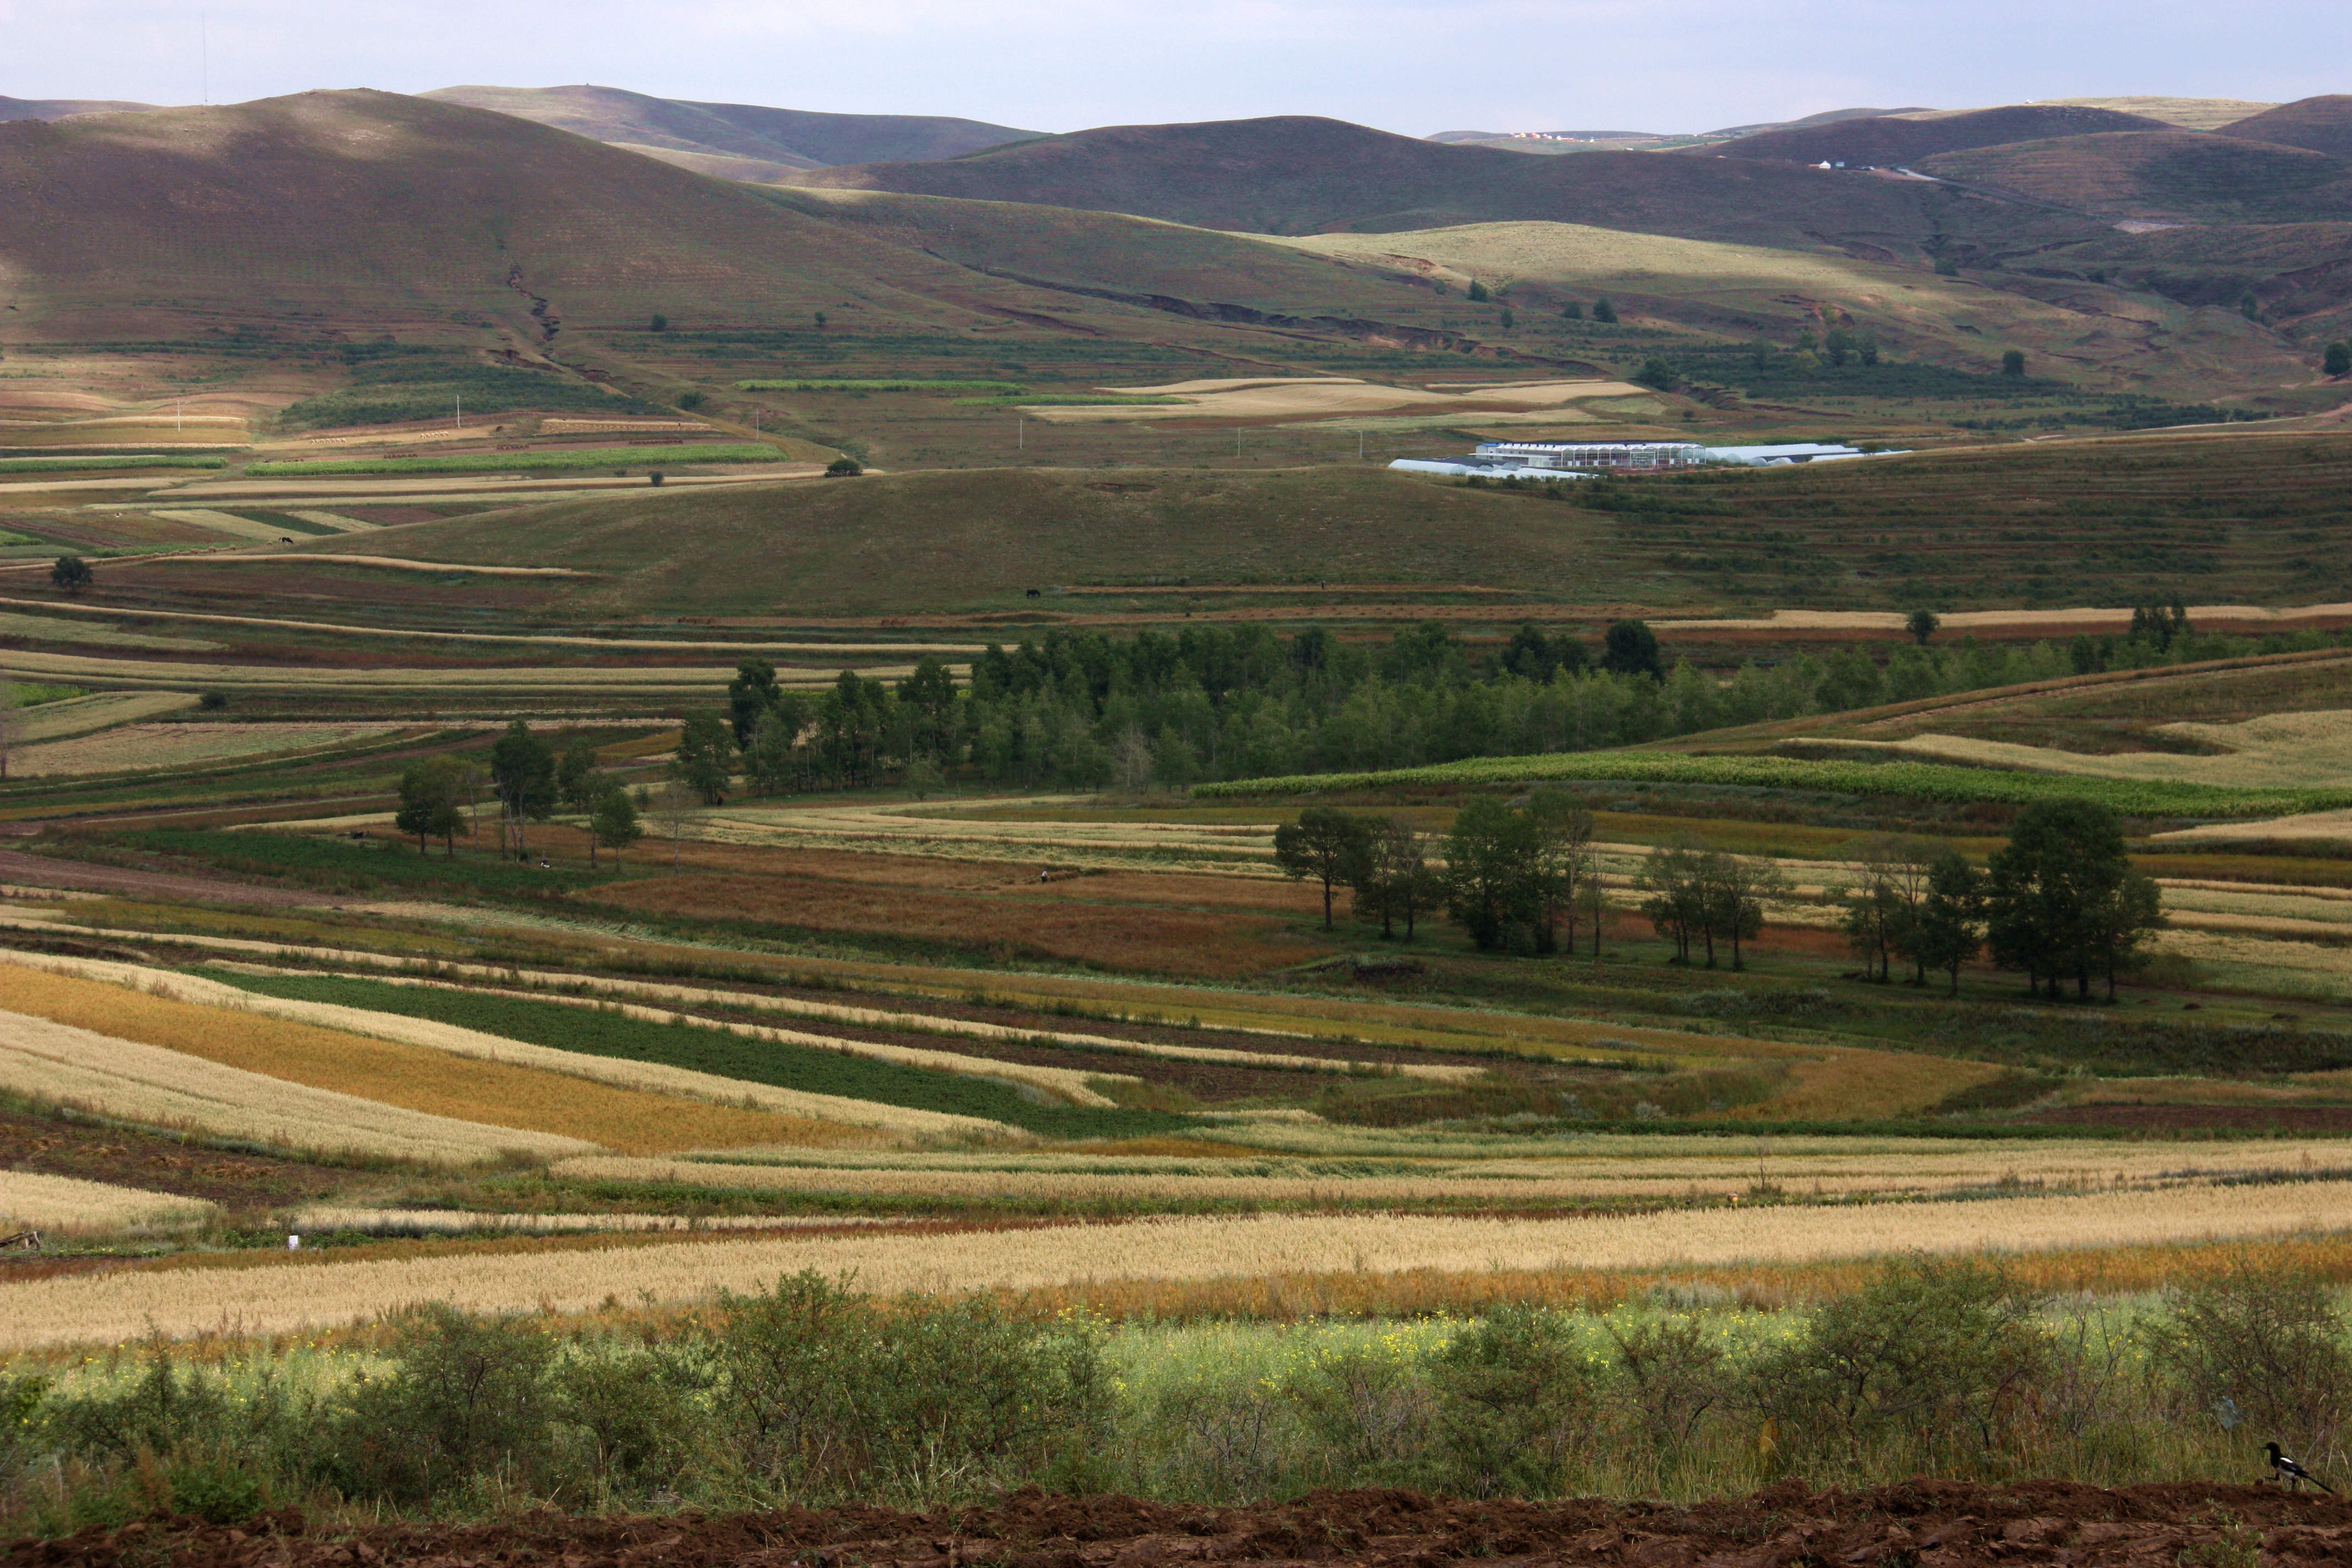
column 2294, row 1475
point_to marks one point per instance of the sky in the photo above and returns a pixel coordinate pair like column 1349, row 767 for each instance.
column 1412, row 65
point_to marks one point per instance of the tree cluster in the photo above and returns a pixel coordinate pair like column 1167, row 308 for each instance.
column 2060, row 901
column 1696, row 898
column 440, row 795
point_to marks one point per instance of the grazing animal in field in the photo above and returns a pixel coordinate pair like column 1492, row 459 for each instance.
column 2293, row 1473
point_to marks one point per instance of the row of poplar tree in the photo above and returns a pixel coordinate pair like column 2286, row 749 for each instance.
column 1076, row 709
column 2060, row 901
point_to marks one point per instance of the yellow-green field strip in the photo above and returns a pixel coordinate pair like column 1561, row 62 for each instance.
column 299, row 1293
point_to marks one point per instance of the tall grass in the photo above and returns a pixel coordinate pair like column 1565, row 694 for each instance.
column 799, row 1391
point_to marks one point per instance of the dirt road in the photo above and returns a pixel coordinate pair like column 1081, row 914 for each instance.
column 1920, row 1524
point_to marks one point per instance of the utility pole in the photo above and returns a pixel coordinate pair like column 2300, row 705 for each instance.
column 461, row 411
column 1359, row 445
column 1020, row 434
column 175, row 415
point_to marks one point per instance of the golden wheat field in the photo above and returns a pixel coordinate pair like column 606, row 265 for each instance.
column 83, row 715
column 158, row 746
column 112, row 1308
column 126, row 1081
column 32, row 1202
column 2275, row 751
column 1707, row 1169
column 395, row 1074
column 823, row 1119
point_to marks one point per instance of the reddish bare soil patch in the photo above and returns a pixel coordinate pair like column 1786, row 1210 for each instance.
column 1931, row 1523
column 1172, row 942
column 82, row 876
column 46, row 1147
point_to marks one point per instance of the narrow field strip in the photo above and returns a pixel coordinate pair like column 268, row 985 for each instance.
column 648, row 678
column 335, row 521
column 457, row 1222
column 1728, row 1171
column 112, row 1309
column 826, row 651
column 224, row 522
column 823, row 1119
column 553, row 985
column 128, row 1081
column 32, row 1202
column 406, row 1077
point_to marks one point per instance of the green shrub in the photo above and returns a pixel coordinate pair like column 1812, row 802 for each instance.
column 2265, row 1347
column 218, row 1491
column 829, row 1394
column 1516, row 1400
column 467, row 1399
column 1932, row 1365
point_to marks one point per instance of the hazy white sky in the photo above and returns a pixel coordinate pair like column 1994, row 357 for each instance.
column 1412, row 66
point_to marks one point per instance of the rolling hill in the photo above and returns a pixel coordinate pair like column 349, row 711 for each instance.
column 733, row 140
column 329, row 216
column 1888, row 142
column 1296, row 174
column 60, row 108
column 2321, row 124
column 2164, row 174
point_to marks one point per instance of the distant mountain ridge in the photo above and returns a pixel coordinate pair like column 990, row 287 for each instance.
column 1300, row 174
column 734, row 140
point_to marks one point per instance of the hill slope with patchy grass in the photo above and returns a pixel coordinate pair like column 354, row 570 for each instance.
column 2164, row 174
column 1886, row 141
column 785, row 138
column 2322, row 124
column 1298, row 174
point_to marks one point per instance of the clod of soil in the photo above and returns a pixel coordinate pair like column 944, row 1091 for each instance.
column 1926, row 1523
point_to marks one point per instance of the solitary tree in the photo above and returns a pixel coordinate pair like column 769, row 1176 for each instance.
column 1656, row 372
column 1602, row 311
column 1326, row 844
column 748, row 695
column 522, row 775
column 1395, row 881
column 1947, row 928
column 432, row 791
column 1478, row 290
column 2338, row 359
column 2062, row 898
column 2013, row 362
column 1487, row 886
column 705, row 762
column 1922, row 625
column 1631, row 648
column 612, row 822
column 1572, row 311
column 72, row 574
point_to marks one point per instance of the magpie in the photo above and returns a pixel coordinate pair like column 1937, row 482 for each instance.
column 2294, row 1475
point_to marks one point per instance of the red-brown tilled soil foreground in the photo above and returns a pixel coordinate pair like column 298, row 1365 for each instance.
column 1920, row 1524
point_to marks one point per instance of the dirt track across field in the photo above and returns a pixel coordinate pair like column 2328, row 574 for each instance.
column 1920, row 1524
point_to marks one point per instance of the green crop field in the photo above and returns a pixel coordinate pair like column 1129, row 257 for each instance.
column 1908, row 781
column 502, row 462
column 67, row 465
column 715, row 1051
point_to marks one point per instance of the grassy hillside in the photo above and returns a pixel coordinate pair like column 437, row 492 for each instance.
column 1885, row 142
column 2164, row 174
column 787, row 138
column 979, row 539
column 2256, row 519
column 1294, row 174
column 1755, row 291
column 60, row 108
column 2322, row 124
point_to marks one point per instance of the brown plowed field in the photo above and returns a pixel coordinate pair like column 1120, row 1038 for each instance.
column 1919, row 1524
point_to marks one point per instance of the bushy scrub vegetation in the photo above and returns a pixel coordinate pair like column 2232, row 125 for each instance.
column 805, row 1392
column 711, row 1051
column 395, row 392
